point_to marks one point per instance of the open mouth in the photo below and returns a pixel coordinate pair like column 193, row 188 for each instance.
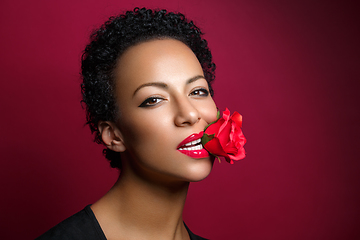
column 192, row 147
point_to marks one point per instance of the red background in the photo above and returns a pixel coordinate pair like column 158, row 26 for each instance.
column 291, row 68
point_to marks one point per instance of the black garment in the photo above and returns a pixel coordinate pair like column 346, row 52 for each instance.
column 83, row 225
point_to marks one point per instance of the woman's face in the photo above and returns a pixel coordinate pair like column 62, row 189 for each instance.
column 163, row 98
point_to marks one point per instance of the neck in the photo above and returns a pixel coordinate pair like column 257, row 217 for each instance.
column 135, row 208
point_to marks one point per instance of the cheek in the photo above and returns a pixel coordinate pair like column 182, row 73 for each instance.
column 134, row 132
column 144, row 130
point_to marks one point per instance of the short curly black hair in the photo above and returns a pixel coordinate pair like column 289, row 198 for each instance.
column 109, row 42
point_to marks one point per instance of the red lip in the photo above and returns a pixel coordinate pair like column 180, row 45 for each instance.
column 200, row 153
column 191, row 138
column 196, row 153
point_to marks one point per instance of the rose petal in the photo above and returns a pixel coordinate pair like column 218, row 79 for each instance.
column 229, row 160
column 238, row 136
column 214, row 147
column 240, row 154
column 237, row 118
column 214, row 128
column 224, row 134
column 226, row 114
column 225, row 117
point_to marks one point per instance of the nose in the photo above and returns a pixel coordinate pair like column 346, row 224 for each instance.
column 186, row 114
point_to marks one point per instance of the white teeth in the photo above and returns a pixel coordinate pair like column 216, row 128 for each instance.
column 193, row 142
column 194, row 145
column 197, row 147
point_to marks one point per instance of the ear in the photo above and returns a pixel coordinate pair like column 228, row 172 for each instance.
column 111, row 136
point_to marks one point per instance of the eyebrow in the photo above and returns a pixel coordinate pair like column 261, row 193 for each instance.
column 164, row 85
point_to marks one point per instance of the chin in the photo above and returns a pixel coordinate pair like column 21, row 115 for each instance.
column 201, row 170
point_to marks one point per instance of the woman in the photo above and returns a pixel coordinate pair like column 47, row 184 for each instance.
column 147, row 93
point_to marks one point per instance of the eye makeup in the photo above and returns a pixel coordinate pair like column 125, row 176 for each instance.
column 151, row 101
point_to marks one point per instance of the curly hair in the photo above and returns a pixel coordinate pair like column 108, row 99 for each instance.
column 111, row 40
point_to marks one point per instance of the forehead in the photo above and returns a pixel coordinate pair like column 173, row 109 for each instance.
column 167, row 60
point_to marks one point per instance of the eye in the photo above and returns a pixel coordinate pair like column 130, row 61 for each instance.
column 151, row 101
column 202, row 92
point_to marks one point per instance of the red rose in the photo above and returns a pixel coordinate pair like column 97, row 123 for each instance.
column 225, row 138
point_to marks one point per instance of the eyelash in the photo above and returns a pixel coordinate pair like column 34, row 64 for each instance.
column 204, row 94
column 149, row 102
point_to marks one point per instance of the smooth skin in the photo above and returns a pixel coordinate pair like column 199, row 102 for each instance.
column 162, row 98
